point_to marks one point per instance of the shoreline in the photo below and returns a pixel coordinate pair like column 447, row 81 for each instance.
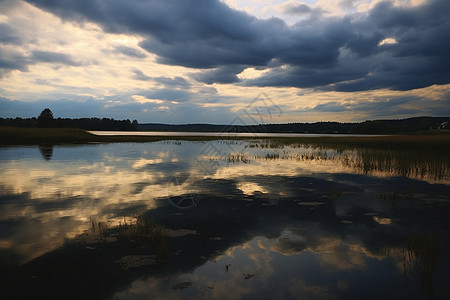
column 16, row 136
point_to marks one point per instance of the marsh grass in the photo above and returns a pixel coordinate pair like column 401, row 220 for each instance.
column 272, row 156
column 238, row 158
column 413, row 164
column 419, row 157
column 99, row 227
column 395, row 198
column 427, row 142
column 142, row 234
column 135, row 235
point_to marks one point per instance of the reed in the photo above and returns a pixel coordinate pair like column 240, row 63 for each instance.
column 136, row 235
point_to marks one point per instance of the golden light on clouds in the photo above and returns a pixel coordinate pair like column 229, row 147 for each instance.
column 122, row 70
column 387, row 41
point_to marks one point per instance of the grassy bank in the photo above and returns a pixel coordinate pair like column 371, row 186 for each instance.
column 33, row 136
column 10, row 136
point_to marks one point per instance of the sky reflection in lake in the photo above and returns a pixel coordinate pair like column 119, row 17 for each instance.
column 243, row 219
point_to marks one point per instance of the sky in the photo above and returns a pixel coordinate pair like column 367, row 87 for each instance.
column 225, row 62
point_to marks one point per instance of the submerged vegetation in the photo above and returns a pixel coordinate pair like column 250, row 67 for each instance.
column 136, row 236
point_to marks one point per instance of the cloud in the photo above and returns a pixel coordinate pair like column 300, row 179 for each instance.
column 384, row 107
column 180, row 32
column 347, row 3
column 8, row 35
column 176, row 82
column 327, row 53
column 132, row 52
column 12, row 59
column 223, row 74
column 301, row 9
column 139, row 75
column 53, row 57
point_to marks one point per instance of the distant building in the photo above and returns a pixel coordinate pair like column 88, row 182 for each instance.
column 443, row 126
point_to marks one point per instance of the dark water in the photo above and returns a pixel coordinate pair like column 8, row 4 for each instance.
column 222, row 220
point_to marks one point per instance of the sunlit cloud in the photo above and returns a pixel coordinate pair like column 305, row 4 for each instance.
column 387, row 41
column 301, row 53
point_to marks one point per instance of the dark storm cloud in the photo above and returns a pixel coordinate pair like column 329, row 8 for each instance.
column 198, row 34
column 325, row 53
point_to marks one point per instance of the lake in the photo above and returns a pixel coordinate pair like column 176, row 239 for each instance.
column 221, row 134
column 223, row 219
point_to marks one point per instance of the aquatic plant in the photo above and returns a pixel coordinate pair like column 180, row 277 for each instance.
column 238, row 158
column 135, row 235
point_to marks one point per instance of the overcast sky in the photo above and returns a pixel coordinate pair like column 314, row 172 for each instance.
column 206, row 61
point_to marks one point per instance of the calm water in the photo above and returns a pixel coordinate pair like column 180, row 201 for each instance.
column 219, row 134
column 222, row 220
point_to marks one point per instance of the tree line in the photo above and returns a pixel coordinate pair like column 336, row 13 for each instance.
column 366, row 127
column 47, row 120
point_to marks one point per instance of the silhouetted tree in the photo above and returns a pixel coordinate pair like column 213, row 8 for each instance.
column 46, row 119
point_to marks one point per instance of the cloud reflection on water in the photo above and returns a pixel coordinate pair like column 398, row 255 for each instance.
column 306, row 225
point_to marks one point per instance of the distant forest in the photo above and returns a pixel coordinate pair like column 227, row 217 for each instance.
column 46, row 119
column 366, row 127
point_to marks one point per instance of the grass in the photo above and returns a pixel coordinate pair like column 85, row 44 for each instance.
column 413, row 156
column 137, row 236
column 238, row 158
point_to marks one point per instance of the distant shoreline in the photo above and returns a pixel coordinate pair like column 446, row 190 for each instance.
column 371, row 127
column 15, row 136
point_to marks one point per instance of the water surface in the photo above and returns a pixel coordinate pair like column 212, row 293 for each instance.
column 223, row 219
column 222, row 134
